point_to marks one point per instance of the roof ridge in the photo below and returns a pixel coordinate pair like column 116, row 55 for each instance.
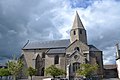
column 50, row 40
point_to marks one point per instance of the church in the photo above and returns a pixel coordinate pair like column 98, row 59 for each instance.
column 118, row 59
column 64, row 54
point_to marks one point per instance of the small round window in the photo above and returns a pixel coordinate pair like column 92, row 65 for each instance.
column 76, row 57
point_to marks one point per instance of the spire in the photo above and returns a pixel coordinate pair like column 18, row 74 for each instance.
column 77, row 22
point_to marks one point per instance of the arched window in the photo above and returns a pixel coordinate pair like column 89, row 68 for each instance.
column 43, row 55
column 76, row 66
column 37, row 65
column 74, row 32
column 56, row 59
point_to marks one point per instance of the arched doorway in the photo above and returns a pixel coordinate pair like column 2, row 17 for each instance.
column 39, row 65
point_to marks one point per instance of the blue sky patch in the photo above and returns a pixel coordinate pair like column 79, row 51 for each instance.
column 82, row 3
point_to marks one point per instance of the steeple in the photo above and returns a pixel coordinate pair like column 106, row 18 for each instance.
column 77, row 22
column 78, row 31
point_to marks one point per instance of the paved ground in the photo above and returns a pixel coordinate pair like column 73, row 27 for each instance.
column 112, row 79
column 102, row 79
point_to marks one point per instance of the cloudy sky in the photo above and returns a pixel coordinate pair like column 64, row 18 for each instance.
column 36, row 20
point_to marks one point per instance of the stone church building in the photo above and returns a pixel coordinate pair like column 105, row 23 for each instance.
column 67, row 53
column 118, row 59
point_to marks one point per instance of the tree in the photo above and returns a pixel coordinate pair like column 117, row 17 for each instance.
column 87, row 70
column 4, row 72
column 54, row 71
column 31, row 72
column 15, row 67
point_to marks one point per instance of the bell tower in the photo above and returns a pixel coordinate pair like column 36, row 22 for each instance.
column 78, row 31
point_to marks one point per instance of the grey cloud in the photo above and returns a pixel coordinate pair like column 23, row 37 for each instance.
column 104, row 27
column 106, row 34
column 21, row 20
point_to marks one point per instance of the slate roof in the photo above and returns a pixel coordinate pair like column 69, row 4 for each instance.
column 47, row 44
column 59, row 50
column 93, row 48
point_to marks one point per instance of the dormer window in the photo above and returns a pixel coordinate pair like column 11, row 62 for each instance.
column 74, row 32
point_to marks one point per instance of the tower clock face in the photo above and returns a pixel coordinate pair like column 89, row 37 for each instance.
column 76, row 57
